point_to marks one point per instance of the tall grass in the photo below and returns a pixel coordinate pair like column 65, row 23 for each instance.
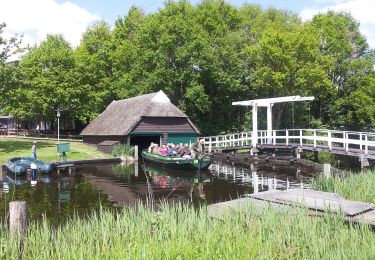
column 122, row 150
column 353, row 186
column 182, row 232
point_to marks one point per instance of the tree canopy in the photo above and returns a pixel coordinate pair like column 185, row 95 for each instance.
column 204, row 57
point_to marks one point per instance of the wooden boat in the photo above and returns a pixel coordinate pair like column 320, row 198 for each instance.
column 178, row 162
column 19, row 165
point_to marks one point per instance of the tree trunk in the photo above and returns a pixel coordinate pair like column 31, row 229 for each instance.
column 278, row 117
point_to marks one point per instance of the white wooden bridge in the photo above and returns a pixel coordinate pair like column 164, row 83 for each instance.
column 359, row 144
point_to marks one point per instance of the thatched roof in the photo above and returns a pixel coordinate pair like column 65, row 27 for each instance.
column 121, row 116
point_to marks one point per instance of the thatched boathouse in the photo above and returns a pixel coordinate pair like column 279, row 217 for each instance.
column 141, row 120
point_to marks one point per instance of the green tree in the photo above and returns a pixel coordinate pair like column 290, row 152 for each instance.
column 288, row 63
column 8, row 69
column 94, row 67
column 351, row 70
column 49, row 81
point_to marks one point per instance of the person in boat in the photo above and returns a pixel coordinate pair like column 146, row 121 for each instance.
column 152, row 147
column 195, row 153
column 198, row 149
column 184, row 151
column 177, row 149
column 163, row 150
column 171, row 151
column 33, row 150
column 201, row 148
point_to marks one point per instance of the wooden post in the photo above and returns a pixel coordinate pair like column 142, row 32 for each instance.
column 2, row 172
column 314, row 138
column 329, row 140
column 364, row 162
column 255, row 182
column 17, row 217
column 298, row 151
column 327, row 170
column 136, row 151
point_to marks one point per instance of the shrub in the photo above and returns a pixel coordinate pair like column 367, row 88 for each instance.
column 122, row 150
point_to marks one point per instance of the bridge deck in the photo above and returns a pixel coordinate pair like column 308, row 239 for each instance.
column 319, row 148
column 358, row 144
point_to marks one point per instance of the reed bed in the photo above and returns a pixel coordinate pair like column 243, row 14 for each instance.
column 182, row 232
column 353, row 186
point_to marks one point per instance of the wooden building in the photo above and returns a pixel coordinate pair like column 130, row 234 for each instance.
column 141, row 120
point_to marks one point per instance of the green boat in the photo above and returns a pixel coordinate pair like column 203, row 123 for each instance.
column 178, row 162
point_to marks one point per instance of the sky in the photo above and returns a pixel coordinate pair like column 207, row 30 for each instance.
column 34, row 19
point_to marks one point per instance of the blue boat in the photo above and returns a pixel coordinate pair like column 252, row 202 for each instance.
column 20, row 165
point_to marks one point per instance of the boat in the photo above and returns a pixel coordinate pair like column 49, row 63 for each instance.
column 179, row 163
column 20, row 165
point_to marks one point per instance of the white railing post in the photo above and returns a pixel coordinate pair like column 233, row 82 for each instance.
column 329, row 140
column 360, row 141
column 210, row 144
column 274, row 137
column 346, row 142
column 287, row 137
column 300, row 137
column 366, row 144
column 242, row 139
column 314, row 138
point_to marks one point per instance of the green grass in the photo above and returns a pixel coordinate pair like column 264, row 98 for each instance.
column 354, row 186
column 182, row 232
column 46, row 150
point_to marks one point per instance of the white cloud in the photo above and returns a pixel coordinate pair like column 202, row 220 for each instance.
column 35, row 19
column 361, row 10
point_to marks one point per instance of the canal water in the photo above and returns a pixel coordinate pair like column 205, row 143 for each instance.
column 91, row 187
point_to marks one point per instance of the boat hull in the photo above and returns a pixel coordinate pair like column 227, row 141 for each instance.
column 20, row 165
column 178, row 162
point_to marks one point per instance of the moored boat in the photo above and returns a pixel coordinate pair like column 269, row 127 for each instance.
column 178, row 162
column 19, row 165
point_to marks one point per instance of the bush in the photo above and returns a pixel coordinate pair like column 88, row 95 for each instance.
column 120, row 150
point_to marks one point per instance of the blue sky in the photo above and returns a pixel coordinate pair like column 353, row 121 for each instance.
column 111, row 9
column 36, row 18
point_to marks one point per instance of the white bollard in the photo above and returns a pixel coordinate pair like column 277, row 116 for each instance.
column 136, row 151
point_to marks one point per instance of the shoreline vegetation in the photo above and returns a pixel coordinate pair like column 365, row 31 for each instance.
column 182, row 231
column 46, row 150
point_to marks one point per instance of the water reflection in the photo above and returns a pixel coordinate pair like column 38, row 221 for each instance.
column 263, row 176
column 89, row 187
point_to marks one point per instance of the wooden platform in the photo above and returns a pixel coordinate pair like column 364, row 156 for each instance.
column 317, row 202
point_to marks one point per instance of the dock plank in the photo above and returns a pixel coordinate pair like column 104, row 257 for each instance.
column 218, row 210
column 315, row 200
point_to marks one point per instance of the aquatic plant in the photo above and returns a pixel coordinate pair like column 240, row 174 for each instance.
column 353, row 186
column 182, row 232
column 120, row 150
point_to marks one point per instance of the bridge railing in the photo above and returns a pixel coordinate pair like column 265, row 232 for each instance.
column 362, row 142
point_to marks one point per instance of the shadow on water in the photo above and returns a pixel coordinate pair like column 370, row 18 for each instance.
column 91, row 187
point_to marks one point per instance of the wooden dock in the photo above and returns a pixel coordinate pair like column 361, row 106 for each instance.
column 316, row 202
